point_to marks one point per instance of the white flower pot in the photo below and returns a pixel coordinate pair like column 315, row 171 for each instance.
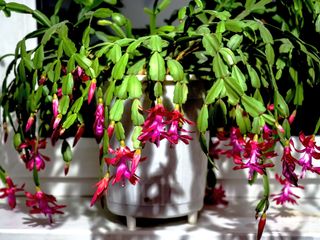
column 172, row 180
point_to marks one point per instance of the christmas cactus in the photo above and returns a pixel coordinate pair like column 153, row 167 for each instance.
column 251, row 58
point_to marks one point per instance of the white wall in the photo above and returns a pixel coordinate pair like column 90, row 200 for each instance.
column 14, row 29
column 134, row 10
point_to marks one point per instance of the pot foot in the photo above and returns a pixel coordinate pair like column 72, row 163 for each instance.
column 193, row 218
column 131, row 223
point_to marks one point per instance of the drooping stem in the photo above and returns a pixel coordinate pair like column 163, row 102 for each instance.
column 36, row 176
column 266, row 187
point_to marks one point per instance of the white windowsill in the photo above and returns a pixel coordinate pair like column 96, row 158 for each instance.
column 232, row 222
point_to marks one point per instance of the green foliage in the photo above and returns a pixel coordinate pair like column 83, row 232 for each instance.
column 248, row 63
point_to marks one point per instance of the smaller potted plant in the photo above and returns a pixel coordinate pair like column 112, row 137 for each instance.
column 245, row 64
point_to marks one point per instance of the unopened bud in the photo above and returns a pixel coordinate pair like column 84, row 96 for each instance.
column 292, row 116
column 30, row 122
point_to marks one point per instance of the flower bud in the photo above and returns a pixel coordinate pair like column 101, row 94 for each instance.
column 78, row 135
column 30, row 122
column 57, row 121
column 292, row 116
column 110, row 129
column 262, row 223
column 55, row 105
column 66, row 169
column 92, row 89
column 270, row 107
column 279, row 127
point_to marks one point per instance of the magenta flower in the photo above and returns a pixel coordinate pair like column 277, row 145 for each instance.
column 309, row 151
column 123, row 173
column 102, row 187
column 153, row 129
column 237, row 144
column 9, row 191
column 30, row 122
column 92, row 89
column 288, row 166
column 286, row 194
column 174, row 134
column 253, row 156
column 55, row 105
column 122, row 156
column 32, row 157
column 98, row 126
column 44, row 203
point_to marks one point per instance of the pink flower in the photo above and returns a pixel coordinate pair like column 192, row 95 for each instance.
column 32, row 157
column 44, row 203
column 92, row 89
column 98, row 126
column 123, row 173
column 122, row 156
column 309, row 151
column 10, row 191
column 286, row 194
column 55, row 105
column 254, row 154
column 288, row 166
column 237, row 144
column 153, row 129
column 30, row 122
column 176, row 120
column 102, row 187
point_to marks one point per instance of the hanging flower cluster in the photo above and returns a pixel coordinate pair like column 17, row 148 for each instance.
column 250, row 152
column 41, row 202
column 162, row 124
column 31, row 156
column 9, row 191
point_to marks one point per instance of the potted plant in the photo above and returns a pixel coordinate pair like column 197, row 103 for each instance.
column 250, row 61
